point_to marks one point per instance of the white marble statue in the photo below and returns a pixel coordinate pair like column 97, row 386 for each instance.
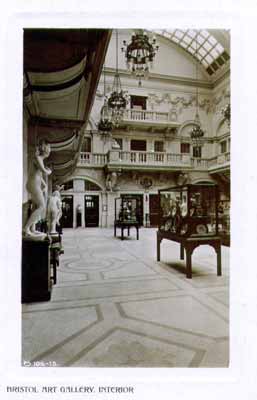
column 54, row 211
column 111, row 181
column 37, row 189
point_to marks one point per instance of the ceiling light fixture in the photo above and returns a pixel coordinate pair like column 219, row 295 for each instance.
column 118, row 100
column 197, row 132
column 140, row 54
column 105, row 124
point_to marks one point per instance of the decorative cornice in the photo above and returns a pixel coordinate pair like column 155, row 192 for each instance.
column 222, row 137
column 166, row 79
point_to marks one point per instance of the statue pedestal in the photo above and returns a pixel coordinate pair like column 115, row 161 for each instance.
column 36, row 270
column 36, row 237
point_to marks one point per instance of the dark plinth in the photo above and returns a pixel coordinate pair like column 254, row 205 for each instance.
column 189, row 244
column 36, row 271
column 55, row 251
column 126, row 225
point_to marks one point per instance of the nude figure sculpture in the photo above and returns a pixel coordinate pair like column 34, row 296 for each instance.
column 54, row 211
column 37, row 188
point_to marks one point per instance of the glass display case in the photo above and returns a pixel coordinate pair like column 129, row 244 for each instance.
column 224, row 220
column 190, row 210
column 127, row 210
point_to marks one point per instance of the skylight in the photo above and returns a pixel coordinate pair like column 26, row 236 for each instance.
column 201, row 44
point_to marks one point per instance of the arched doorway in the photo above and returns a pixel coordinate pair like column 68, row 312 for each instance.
column 91, row 204
column 91, row 210
column 67, row 211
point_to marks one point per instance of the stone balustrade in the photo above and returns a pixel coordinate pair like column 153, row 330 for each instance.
column 151, row 159
column 148, row 158
column 212, row 161
column 221, row 159
column 145, row 115
column 92, row 159
column 200, row 163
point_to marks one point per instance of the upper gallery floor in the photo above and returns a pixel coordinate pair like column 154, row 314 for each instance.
column 165, row 107
column 154, row 132
column 156, row 151
column 190, row 71
column 178, row 85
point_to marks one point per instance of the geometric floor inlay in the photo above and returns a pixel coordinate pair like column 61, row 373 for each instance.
column 51, row 327
column 182, row 312
column 127, row 349
column 114, row 305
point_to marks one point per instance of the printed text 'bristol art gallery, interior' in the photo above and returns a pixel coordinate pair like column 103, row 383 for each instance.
column 126, row 198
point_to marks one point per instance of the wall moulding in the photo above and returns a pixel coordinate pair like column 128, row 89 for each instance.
column 221, row 98
column 152, row 87
column 142, row 181
column 179, row 103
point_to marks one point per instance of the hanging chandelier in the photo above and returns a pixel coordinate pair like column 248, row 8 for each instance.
column 117, row 100
column 140, row 54
column 105, row 124
column 226, row 113
column 197, row 132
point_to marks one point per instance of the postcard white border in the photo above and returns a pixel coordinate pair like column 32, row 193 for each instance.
column 239, row 378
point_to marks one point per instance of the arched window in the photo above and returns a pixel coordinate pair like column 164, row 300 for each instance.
column 91, row 186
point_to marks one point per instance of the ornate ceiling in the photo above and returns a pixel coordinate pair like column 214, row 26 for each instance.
column 61, row 72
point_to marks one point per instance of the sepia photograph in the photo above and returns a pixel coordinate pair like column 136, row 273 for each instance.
column 125, row 258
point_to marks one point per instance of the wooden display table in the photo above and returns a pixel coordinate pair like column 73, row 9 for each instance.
column 189, row 244
column 126, row 225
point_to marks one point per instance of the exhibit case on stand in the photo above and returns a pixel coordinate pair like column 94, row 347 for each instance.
column 127, row 215
column 224, row 221
column 189, row 215
column 190, row 210
column 126, row 210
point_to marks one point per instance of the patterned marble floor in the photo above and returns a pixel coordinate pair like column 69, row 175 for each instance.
column 115, row 306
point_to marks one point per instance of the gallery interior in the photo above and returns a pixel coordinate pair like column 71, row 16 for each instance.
column 126, row 198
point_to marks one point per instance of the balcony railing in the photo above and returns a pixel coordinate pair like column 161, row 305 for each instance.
column 144, row 115
column 221, row 159
column 148, row 158
column 201, row 163
column 212, row 161
column 93, row 159
column 151, row 159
